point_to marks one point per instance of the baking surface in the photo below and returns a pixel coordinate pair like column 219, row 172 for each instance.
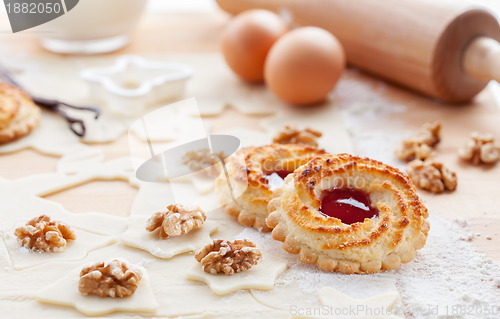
column 377, row 115
column 475, row 197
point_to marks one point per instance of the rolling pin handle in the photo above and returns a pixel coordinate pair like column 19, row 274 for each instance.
column 482, row 59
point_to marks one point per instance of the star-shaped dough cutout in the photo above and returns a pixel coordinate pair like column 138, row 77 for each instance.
column 231, row 117
column 138, row 237
column 180, row 121
column 343, row 306
column 261, row 277
column 216, row 87
column 85, row 242
column 64, row 292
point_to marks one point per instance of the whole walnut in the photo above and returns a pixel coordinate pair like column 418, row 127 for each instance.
column 115, row 279
column 44, row 234
column 177, row 220
column 480, row 149
column 422, row 144
column 431, row 175
column 228, row 257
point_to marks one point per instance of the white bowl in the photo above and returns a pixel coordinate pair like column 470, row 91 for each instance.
column 92, row 26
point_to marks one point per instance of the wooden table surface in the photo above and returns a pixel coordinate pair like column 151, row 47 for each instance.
column 199, row 32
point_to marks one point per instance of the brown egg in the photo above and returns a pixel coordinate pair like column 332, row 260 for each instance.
column 247, row 40
column 304, row 65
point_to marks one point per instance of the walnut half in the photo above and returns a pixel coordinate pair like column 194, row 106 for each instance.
column 228, row 257
column 480, row 148
column 421, row 145
column 432, row 176
column 113, row 279
column 177, row 220
column 44, row 235
column 292, row 135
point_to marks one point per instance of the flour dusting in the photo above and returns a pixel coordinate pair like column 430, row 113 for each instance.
column 361, row 105
column 449, row 278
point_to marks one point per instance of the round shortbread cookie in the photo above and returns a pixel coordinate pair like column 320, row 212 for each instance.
column 9, row 106
column 18, row 114
column 379, row 243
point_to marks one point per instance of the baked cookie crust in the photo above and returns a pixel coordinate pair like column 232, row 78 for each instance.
column 379, row 243
column 248, row 170
column 18, row 114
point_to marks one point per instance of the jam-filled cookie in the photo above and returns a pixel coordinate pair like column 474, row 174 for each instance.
column 253, row 173
column 349, row 214
column 18, row 114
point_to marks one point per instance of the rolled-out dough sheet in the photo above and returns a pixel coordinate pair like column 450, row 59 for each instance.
column 176, row 295
column 214, row 90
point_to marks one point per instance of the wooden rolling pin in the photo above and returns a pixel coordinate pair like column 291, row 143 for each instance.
column 438, row 48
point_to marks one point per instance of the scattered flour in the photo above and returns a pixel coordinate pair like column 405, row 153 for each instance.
column 361, row 105
column 449, row 278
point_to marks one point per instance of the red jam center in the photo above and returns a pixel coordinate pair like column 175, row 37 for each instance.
column 276, row 179
column 349, row 205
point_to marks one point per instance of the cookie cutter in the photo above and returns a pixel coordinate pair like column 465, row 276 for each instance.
column 133, row 83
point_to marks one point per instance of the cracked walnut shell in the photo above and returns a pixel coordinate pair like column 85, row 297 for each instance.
column 421, row 145
column 228, row 257
column 43, row 234
column 177, row 220
column 432, row 176
column 480, row 148
column 113, row 279
column 290, row 134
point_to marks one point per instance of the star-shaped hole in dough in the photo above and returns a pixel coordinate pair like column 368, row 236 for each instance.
column 262, row 276
column 72, row 172
column 138, row 237
column 168, row 126
column 64, row 292
column 22, row 197
column 93, row 230
column 85, row 242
